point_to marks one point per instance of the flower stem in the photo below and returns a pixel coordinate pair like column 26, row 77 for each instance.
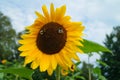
column 89, row 68
column 58, row 73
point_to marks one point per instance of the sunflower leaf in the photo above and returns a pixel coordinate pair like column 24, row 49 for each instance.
column 90, row 46
column 22, row 72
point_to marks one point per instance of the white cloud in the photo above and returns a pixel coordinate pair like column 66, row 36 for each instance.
column 96, row 31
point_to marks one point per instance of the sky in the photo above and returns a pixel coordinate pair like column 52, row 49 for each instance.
column 98, row 16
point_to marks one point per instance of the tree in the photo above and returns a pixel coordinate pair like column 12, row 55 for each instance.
column 8, row 40
column 112, row 42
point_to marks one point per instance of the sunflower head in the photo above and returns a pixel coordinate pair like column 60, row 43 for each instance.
column 51, row 40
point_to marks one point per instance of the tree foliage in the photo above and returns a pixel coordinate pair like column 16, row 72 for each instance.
column 112, row 42
column 8, row 40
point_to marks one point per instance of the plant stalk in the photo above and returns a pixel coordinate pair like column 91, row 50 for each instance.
column 58, row 73
column 89, row 69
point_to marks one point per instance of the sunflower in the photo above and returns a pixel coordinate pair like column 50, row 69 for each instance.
column 51, row 40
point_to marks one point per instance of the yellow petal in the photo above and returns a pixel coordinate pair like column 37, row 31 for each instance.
column 28, row 60
column 31, row 57
column 45, row 11
column 77, row 43
column 74, row 26
column 35, row 29
column 26, row 47
column 34, row 64
column 71, row 35
column 60, row 12
column 38, row 23
column 78, row 50
column 53, row 62
column 50, row 70
column 52, row 12
column 63, row 10
column 39, row 56
column 59, row 60
column 75, row 33
column 72, row 54
column 44, row 62
column 27, row 41
column 64, row 20
column 65, row 58
column 28, row 36
column 76, row 23
column 41, row 17
column 76, row 57
column 57, row 14
column 73, row 47
column 25, row 53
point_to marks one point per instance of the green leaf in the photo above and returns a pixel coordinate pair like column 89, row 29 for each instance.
column 1, row 66
column 90, row 46
column 80, row 77
column 102, row 63
column 76, row 74
column 77, row 63
column 22, row 72
column 1, row 76
column 97, row 71
column 102, row 78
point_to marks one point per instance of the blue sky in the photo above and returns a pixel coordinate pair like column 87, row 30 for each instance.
column 98, row 16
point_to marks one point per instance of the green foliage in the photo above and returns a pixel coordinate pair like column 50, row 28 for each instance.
column 97, row 72
column 86, row 71
column 22, row 72
column 37, row 75
column 76, row 75
column 102, row 63
column 8, row 40
column 90, row 46
column 112, row 42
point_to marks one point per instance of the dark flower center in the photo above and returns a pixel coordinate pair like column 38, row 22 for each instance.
column 51, row 38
